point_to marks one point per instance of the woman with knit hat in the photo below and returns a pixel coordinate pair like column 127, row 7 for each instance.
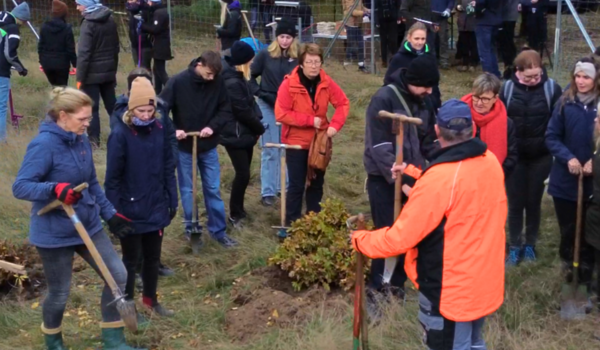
column 140, row 182
column 240, row 134
column 56, row 47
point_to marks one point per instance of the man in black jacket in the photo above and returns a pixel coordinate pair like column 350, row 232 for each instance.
column 231, row 31
column 197, row 98
column 414, row 86
column 137, row 11
column 56, row 47
column 97, row 59
column 159, row 28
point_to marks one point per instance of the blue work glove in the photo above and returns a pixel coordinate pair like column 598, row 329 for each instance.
column 446, row 13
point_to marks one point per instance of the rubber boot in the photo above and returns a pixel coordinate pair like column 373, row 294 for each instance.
column 113, row 338
column 53, row 339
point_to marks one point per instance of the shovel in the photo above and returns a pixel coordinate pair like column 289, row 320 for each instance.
column 126, row 308
column 360, row 312
column 195, row 235
column 574, row 297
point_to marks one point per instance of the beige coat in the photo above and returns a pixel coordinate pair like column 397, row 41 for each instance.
column 357, row 15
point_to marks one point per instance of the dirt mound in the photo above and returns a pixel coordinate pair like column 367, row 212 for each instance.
column 265, row 299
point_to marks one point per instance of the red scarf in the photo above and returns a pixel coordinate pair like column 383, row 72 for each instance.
column 493, row 127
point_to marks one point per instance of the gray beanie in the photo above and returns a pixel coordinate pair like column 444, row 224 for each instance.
column 22, row 12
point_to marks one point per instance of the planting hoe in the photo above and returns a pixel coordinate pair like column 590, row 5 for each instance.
column 574, row 296
column 126, row 308
column 360, row 315
column 195, row 235
column 14, row 118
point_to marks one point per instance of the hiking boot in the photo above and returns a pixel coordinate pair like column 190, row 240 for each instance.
column 528, row 253
column 165, row 271
column 236, row 222
column 54, row 341
column 161, row 311
column 462, row 69
column 114, row 339
column 227, row 242
column 268, row 201
column 513, row 256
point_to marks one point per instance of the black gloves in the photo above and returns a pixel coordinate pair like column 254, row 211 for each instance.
column 172, row 213
column 120, row 226
column 24, row 72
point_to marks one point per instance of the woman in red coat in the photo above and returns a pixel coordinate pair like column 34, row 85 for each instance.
column 302, row 102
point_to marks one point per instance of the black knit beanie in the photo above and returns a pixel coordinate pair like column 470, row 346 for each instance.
column 423, row 72
column 240, row 53
column 285, row 26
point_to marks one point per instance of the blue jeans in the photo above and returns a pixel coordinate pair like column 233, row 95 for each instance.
column 270, row 166
column 4, row 90
column 355, row 44
column 486, row 45
column 210, row 174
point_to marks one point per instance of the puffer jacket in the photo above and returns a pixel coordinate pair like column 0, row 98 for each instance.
column 357, row 15
column 271, row 72
column 244, row 129
column 528, row 108
column 55, row 156
column 56, row 47
column 98, row 48
column 296, row 111
column 160, row 32
column 140, row 175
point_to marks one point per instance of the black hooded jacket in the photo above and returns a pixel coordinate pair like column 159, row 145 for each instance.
column 134, row 36
column 56, row 47
column 196, row 103
column 232, row 28
column 244, row 129
column 98, row 48
column 159, row 28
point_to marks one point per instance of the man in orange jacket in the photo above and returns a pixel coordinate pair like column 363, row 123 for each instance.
column 452, row 231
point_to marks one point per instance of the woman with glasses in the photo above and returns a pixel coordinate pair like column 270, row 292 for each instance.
column 529, row 96
column 491, row 123
column 301, row 108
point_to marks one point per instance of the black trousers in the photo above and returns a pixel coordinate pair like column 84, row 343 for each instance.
column 159, row 70
column 381, row 199
column 241, row 158
column 400, row 38
column 146, row 59
column 525, row 189
column 466, row 48
column 388, row 30
column 297, row 168
column 146, row 246
column 506, row 43
column 537, row 29
column 566, row 213
column 57, row 77
column 95, row 91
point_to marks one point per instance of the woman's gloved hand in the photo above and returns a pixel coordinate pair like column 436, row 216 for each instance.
column 120, row 226
column 65, row 193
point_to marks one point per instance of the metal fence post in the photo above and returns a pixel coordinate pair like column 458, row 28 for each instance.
column 373, row 65
column 577, row 19
column 557, row 33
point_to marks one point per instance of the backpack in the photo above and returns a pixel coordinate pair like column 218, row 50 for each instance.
column 319, row 154
column 509, row 87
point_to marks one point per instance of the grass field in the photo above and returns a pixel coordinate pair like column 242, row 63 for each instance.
column 201, row 290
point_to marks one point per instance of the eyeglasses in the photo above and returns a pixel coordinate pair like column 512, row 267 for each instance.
column 486, row 100
column 84, row 120
column 532, row 77
column 313, row 63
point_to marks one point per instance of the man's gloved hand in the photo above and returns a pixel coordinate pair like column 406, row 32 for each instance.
column 65, row 193
column 120, row 226
column 172, row 213
column 446, row 13
column 24, row 72
column 139, row 18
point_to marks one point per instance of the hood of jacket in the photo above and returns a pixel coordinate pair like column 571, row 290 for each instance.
column 49, row 126
column 101, row 15
column 56, row 25
column 192, row 72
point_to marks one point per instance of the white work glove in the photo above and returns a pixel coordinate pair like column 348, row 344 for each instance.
column 446, row 13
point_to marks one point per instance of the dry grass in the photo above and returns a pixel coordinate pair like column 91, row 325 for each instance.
column 526, row 321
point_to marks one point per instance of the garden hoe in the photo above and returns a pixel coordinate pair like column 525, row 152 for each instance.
column 196, row 234
column 14, row 118
column 126, row 308
column 573, row 295
column 282, row 230
column 244, row 14
column 400, row 119
column 360, row 312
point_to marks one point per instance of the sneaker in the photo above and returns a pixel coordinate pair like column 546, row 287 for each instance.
column 165, row 271
column 529, row 254
column 268, row 201
column 235, row 222
column 513, row 256
column 161, row 311
column 227, row 242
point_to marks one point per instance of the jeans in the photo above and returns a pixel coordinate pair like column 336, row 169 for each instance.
column 146, row 59
column 444, row 334
column 355, row 44
column 525, row 189
column 264, row 17
column 381, row 200
column 297, row 168
column 57, row 77
column 147, row 246
column 241, row 158
column 270, row 164
column 210, row 174
column 4, row 91
column 94, row 91
column 466, row 48
column 58, row 266
column 506, row 43
column 160, row 75
column 388, row 30
column 486, row 45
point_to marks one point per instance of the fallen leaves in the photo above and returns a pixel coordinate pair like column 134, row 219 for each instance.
column 35, row 305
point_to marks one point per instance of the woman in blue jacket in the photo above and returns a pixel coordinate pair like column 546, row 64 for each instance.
column 58, row 159
column 140, row 182
column 570, row 140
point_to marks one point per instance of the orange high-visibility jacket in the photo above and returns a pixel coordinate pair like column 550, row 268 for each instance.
column 452, row 229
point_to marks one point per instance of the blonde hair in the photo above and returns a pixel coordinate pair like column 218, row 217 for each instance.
column 292, row 52
column 245, row 69
column 128, row 116
column 416, row 26
column 68, row 100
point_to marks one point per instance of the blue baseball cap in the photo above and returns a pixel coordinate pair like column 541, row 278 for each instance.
column 451, row 112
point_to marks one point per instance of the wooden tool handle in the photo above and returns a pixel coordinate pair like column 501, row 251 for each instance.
column 281, row 145
column 399, row 160
column 283, row 169
column 400, row 117
column 8, row 266
column 57, row 203
column 192, row 133
column 92, row 249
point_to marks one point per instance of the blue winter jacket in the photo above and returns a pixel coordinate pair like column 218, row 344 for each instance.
column 488, row 12
column 140, row 174
column 55, row 156
column 570, row 135
column 442, row 5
